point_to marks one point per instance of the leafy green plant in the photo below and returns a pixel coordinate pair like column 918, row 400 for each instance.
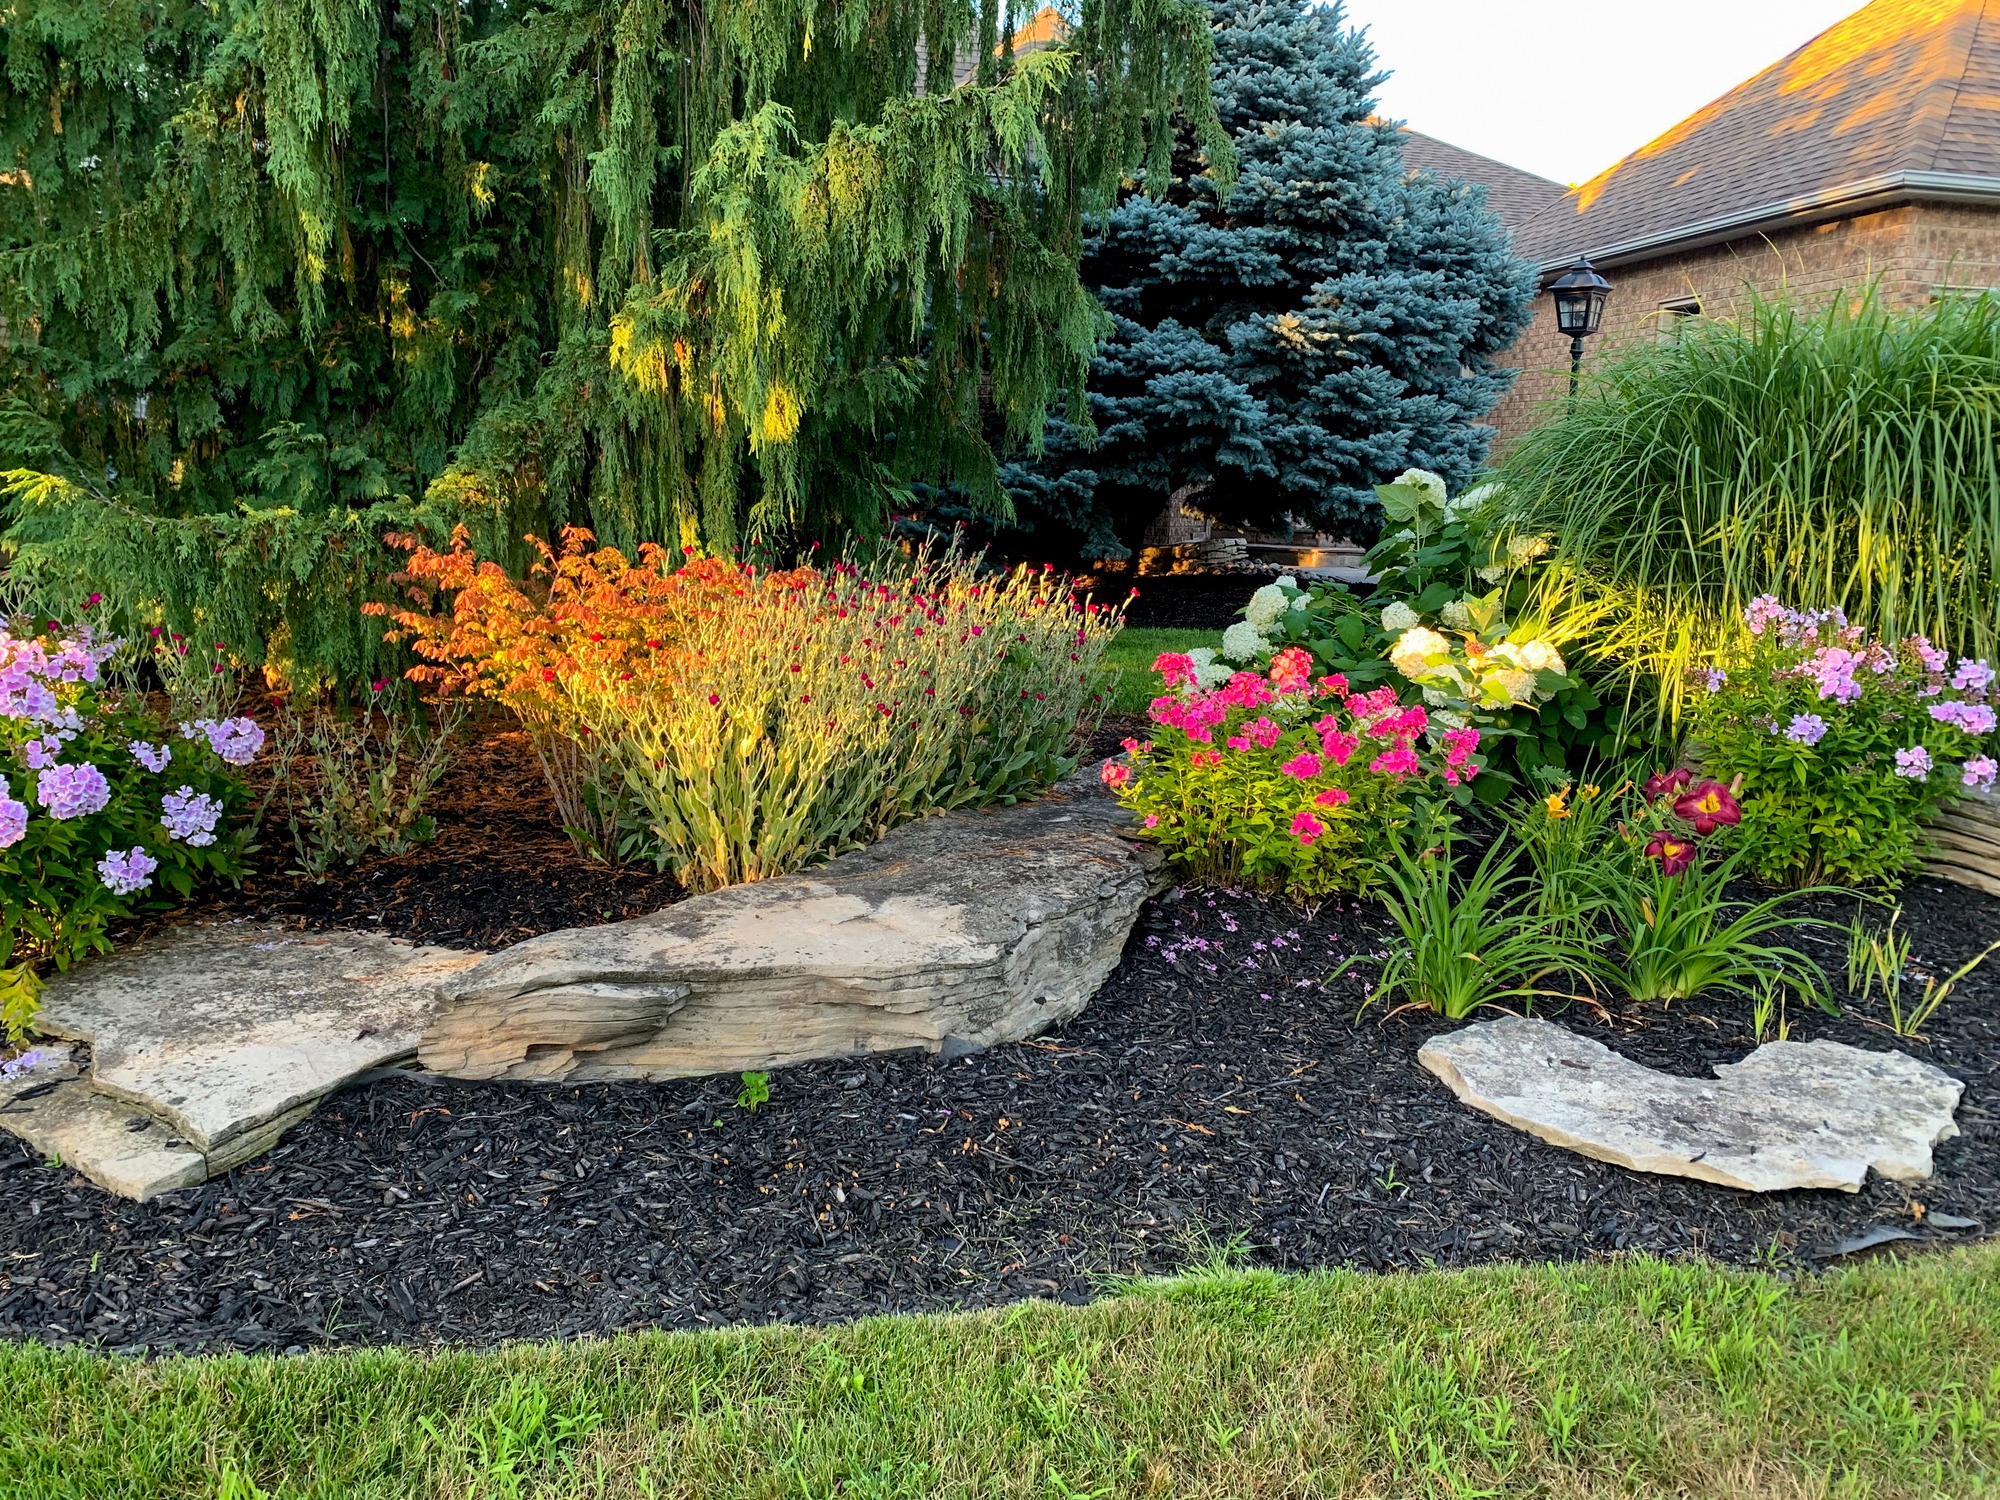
column 354, row 782
column 1849, row 458
column 1467, row 940
column 756, row 1091
column 1936, row 992
column 1842, row 745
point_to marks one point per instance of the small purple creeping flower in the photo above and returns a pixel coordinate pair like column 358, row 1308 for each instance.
column 190, row 816
column 1973, row 718
column 73, row 791
column 124, row 871
column 1981, row 770
column 13, row 818
column 1763, row 612
column 1914, row 763
column 1806, row 729
column 237, row 740
column 153, row 757
column 1713, row 679
column 27, row 1062
column 1972, row 676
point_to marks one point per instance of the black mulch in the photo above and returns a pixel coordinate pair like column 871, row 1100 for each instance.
column 1185, row 601
column 500, row 868
column 1212, row 1092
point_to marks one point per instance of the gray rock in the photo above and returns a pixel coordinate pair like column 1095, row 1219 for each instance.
column 1790, row 1115
column 231, row 1032
column 124, row 1151
column 983, row 927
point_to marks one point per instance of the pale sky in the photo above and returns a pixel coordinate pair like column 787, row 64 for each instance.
column 1567, row 87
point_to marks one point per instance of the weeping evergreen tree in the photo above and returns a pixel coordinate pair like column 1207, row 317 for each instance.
column 276, row 275
column 1284, row 348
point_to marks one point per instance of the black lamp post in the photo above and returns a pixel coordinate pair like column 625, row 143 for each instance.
column 1580, row 293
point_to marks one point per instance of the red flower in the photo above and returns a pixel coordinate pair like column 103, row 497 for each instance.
column 1673, row 852
column 1667, row 785
column 1708, row 806
column 1114, row 774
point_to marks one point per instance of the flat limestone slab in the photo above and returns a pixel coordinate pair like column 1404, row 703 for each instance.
column 1790, row 1115
column 232, row 1031
column 981, row 927
column 123, row 1150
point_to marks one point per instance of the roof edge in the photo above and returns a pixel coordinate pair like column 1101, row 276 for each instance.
column 1884, row 191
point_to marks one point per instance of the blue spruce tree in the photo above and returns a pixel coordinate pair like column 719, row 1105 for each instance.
column 1284, row 349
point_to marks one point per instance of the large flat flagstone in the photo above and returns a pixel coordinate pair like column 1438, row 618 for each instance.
column 228, row 1033
column 968, row 929
column 1790, row 1115
column 123, row 1150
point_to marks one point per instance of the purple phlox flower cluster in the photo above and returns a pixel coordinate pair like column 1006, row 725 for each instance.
column 124, row 871
column 1980, row 771
column 1934, row 660
column 38, row 753
column 236, row 740
column 1806, row 729
column 1831, row 670
column 190, row 816
column 1973, row 718
column 31, row 671
column 153, row 757
column 1713, row 679
column 1795, row 627
column 13, row 817
column 1915, row 763
column 72, row 791
column 27, row 1062
column 1972, row 676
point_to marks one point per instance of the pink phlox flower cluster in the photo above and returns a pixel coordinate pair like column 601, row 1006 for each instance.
column 13, row 817
column 153, row 757
column 1973, row 718
column 1406, row 725
column 1761, row 613
column 190, row 816
column 1261, row 733
column 1459, row 744
column 1914, row 763
column 1831, row 670
column 1176, row 669
column 124, row 871
column 1980, row 771
column 1399, row 761
column 31, row 670
column 1333, row 796
column 1291, row 670
column 1306, row 828
column 1972, row 676
column 1933, row 660
column 1796, row 627
column 1373, row 704
column 73, row 791
column 1305, row 766
column 237, row 740
column 1335, row 743
column 1806, row 729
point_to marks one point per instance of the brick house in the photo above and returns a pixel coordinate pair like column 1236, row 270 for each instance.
column 1871, row 152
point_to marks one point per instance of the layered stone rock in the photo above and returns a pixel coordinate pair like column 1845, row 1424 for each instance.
column 1790, row 1115
column 971, row 928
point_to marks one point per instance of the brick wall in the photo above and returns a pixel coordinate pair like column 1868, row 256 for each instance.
column 1915, row 249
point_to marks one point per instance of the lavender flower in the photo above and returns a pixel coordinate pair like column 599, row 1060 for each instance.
column 1763, row 612
column 1806, row 729
column 153, row 757
column 73, row 791
column 124, row 871
column 36, row 754
column 1972, row 676
column 27, row 1062
column 237, row 740
column 190, row 816
column 1714, row 678
column 13, row 818
column 1981, row 770
column 1973, row 718
column 1915, row 763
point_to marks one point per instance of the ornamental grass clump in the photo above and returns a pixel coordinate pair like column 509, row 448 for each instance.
column 1843, row 745
column 1274, row 779
column 733, row 723
column 101, row 803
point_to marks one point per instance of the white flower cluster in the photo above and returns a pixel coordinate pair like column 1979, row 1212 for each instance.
column 1501, row 676
column 1249, row 639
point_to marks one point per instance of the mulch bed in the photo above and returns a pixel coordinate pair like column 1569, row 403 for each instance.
column 1185, row 601
column 500, row 868
column 1216, row 1092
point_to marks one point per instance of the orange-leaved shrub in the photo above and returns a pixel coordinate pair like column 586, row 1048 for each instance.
column 731, row 723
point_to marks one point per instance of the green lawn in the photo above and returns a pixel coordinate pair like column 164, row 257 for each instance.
column 1131, row 656
column 1627, row 1378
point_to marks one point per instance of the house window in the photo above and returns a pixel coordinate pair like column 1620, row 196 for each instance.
column 1675, row 312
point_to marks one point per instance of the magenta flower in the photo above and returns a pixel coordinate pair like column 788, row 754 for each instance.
column 1401, row 761
column 1306, row 828
column 1304, row 766
column 1114, row 774
column 73, row 791
column 1333, row 796
column 1673, row 852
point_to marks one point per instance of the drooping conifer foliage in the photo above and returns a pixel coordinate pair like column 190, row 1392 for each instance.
column 276, row 274
column 1286, row 347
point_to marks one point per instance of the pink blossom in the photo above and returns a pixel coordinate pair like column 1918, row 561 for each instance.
column 1306, row 828
column 1152, row 820
column 1972, row 676
column 1114, row 774
column 1980, row 771
column 1304, row 766
column 1264, row 733
column 1401, row 761
column 1913, row 763
column 1333, row 796
column 1291, row 669
column 13, row 817
column 1337, row 745
column 1973, row 718
column 1176, row 668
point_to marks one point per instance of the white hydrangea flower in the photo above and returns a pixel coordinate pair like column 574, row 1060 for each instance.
column 1529, row 656
column 1399, row 616
column 1284, row 581
column 1522, row 550
column 1266, row 606
column 1416, row 650
column 1208, row 672
column 1510, row 685
column 1425, row 480
column 1243, row 642
column 1456, row 615
column 1476, row 497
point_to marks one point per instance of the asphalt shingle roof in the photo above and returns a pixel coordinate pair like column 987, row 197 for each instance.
column 1900, row 87
column 1513, row 195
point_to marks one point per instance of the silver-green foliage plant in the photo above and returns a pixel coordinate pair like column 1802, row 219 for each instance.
column 1848, row 458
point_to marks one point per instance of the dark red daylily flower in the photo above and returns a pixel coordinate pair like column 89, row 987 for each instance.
column 1667, row 784
column 1674, row 852
column 1708, row 806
